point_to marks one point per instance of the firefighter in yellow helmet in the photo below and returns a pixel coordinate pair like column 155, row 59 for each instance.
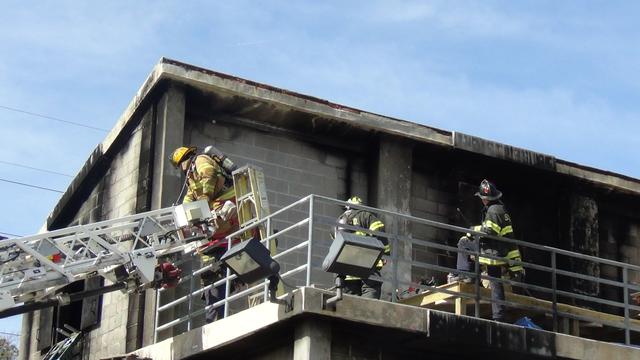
column 367, row 288
column 206, row 180
column 496, row 221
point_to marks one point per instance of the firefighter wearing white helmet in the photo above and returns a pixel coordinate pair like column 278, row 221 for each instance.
column 367, row 288
column 496, row 221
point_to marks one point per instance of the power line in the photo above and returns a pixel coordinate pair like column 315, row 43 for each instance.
column 8, row 333
column 35, row 168
column 33, row 186
column 53, row 118
column 10, row 234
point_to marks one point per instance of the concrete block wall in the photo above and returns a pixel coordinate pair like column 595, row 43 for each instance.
column 109, row 337
column 114, row 196
column 293, row 169
column 430, row 200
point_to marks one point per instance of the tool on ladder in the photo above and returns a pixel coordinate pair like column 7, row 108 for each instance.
column 251, row 200
column 252, row 205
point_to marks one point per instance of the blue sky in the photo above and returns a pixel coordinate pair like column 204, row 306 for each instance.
column 560, row 78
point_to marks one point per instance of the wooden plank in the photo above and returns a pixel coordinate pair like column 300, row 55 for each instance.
column 431, row 298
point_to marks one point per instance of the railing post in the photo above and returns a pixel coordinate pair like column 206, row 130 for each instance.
column 554, row 295
column 625, row 280
column 476, row 238
column 394, row 242
column 310, row 244
column 226, row 285
column 155, row 323
column 190, row 307
column 268, row 245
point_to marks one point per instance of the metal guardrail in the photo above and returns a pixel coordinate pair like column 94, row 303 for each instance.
column 322, row 222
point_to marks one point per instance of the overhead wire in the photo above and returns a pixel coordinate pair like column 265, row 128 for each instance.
column 35, row 168
column 53, row 118
column 8, row 333
column 10, row 234
column 32, row 186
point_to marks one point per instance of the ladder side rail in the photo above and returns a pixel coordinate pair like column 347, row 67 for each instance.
column 92, row 234
column 51, row 279
column 65, row 241
column 164, row 212
column 112, row 240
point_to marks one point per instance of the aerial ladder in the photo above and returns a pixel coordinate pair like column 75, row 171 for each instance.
column 124, row 251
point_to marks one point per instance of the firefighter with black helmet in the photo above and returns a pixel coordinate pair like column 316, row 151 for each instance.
column 496, row 221
column 367, row 288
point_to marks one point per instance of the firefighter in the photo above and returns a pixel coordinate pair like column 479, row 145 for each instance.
column 496, row 221
column 205, row 179
column 366, row 288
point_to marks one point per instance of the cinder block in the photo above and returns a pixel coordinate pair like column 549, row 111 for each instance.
column 418, row 187
column 296, row 162
column 267, row 142
column 283, row 199
column 299, row 189
column 438, row 196
column 445, row 210
column 427, row 206
column 289, row 146
column 290, row 175
column 276, row 185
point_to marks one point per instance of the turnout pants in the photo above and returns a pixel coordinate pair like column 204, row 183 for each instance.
column 366, row 288
column 211, row 296
column 497, row 288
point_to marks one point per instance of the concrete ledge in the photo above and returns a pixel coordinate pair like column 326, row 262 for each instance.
column 425, row 328
column 571, row 347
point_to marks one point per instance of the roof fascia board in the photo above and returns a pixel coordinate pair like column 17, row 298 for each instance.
column 607, row 180
column 501, row 151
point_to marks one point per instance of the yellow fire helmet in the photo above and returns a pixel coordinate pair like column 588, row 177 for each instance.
column 181, row 154
column 355, row 200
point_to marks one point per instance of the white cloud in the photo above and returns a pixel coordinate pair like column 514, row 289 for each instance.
column 77, row 30
column 475, row 19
